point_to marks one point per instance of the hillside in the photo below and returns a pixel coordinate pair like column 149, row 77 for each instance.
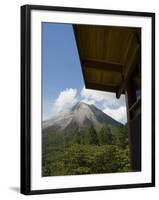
column 80, row 116
column 84, row 140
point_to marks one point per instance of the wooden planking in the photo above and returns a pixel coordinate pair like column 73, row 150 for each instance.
column 103, row 77
column 129, row 41
column 102, row 42
column 132, row 47
column 102, row 65
column 105, row 53
column 131, row 65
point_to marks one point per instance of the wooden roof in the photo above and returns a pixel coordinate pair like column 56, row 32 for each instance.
column 108, row 55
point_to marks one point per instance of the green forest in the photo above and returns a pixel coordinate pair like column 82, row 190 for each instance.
column 88, row 151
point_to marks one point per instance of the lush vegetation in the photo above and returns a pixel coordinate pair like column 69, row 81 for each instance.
column 90, row 151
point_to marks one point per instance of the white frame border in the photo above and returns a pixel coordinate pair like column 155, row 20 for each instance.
column 41, row 183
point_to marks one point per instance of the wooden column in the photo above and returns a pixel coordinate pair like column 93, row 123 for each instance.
column 134, row 128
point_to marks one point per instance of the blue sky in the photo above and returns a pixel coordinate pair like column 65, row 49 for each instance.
column 62, row 80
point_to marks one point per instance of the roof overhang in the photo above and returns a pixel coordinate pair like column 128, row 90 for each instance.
column 108, row 55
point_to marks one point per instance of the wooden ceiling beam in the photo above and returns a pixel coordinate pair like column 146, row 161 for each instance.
column 102, row 87
column 102, row 65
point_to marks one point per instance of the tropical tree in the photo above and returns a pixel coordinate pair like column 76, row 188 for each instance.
column 93, row 137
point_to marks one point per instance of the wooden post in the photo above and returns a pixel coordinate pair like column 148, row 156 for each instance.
column 134, row 128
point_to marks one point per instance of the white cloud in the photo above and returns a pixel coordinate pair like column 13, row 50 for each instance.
column 112, row 106
column 88, row 101
column 118, row 114
column 65, row 100
column 94, row 94
column 108, row 99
